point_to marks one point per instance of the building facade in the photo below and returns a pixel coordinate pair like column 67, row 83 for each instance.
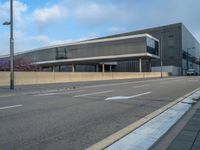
column 135, row 51
column 180, row 49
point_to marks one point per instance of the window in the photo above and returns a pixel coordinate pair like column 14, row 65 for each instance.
column 152, row 46
column 61, row 53
column 170, row 36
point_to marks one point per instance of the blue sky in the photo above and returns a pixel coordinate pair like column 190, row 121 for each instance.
column 41, row 23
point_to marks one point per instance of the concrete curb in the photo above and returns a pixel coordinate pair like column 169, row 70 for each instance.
column 125, row 131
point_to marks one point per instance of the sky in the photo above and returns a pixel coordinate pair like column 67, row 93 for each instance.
column 40, row 23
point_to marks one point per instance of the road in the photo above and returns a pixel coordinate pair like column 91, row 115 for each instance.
column 80, row 116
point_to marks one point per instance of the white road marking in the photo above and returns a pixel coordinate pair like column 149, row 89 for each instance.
column 46, row 94
column 193, row 80
column 96, row 93
column 7, row 107
column 127, row 97
column 165, row 82
column 139, row 86
column 62, row 93
column 150, row 132
column 124, row 83
column 3, row 96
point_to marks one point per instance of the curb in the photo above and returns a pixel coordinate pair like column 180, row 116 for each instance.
column 125, row 131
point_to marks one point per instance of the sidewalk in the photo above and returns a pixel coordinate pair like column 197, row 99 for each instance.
column 189, row 137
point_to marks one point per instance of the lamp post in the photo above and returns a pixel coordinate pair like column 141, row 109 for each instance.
column 199, row 66
column 188, row 55
column 161, row 39
column 11, row 46
column 161, row 58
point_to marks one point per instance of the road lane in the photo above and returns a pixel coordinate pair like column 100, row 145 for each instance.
column 8, row 107
column 63, row 121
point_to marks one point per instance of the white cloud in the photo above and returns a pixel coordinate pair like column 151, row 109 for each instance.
column 41, row 39
column 47, row 15
column 44, row 40
column 101, row 16
column 19, row 10
column 116, row 30
column 92, row 13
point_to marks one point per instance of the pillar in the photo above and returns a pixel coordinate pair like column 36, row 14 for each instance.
column 97, row 68
column 103, row 67
column 140, row 65
column 73, row 68
column 150, row 65
column 110, row 68
column 53, row 69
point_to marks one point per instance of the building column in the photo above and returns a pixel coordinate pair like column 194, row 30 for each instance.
column 53, row 68
column 97, row 67
column 59, row 68
column 140, row 65
column 73, row 68
column 110, row 68
column 150, row 65
column 103, row 67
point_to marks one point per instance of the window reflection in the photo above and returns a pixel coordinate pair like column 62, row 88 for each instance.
column 152, row 46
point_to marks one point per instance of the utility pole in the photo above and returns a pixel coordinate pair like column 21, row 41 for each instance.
column 161, row 58
column 199, row 65
column 11, row 46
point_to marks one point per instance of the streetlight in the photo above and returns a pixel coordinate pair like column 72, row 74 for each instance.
column 188, row 55
column 161, row 59
column 161, row 51
column 11, row 46
column 199, row 65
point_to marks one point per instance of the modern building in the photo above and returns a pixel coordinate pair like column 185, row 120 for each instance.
column 138, row 51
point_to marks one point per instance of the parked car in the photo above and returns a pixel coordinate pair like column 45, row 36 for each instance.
column 191, row 72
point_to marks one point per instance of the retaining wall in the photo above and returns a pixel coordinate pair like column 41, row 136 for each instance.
column 25, row 78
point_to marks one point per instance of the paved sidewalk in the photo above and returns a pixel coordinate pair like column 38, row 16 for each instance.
column 189, row 137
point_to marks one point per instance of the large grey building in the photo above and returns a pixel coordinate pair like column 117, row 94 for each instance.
column 132, row 52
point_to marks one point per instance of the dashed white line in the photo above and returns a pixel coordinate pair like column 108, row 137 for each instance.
column 193, row 80
column 96, row 93
column 139, row 86
column 125, row 83
column 165, row 82
column 7, row 107
column 62, row 93
column 127, row 97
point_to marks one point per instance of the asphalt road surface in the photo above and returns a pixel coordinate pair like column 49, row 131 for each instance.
column 82, row 114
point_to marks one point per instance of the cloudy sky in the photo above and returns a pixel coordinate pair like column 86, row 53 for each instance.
column 41, row 23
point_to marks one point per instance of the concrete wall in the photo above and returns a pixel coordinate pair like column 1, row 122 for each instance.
column 25, row 78
column 173, row 70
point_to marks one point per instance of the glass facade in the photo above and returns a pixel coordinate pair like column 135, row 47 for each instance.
column 152, row 46
column 61, row 53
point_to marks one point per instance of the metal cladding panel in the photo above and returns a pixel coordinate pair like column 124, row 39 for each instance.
column 191, row 48
column 34, row 56
column 107, row 48
column 170, row 36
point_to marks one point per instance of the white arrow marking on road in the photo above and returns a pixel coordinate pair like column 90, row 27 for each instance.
column 126, row 97
column 7, row 107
